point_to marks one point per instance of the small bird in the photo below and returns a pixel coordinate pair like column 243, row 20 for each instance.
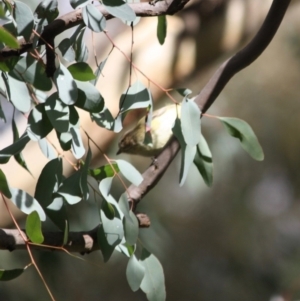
column 149, row 144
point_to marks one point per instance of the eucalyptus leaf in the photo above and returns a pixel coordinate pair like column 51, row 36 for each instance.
column 190, row 122
column 120, row 9
column 66, row 86
column 24, row 19
column 38, row 125
column 7, row 275
column 93, row 18
column 47, row 149
column 130, row 172
column 153, row 283
column 14, row 148
column 70, row 188
column 26, row 203
column 161, row 29
column 4, row 187
column 203, row 161
column 77, row 146
column 240, row 129
column 34, row 228
column 8, row 39
column 89, row 98
column 81, row 71
column 135, row 273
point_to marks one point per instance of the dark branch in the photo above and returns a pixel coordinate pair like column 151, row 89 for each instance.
column 212, row 89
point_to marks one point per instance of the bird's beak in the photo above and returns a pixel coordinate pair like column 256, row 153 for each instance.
column 119, row 152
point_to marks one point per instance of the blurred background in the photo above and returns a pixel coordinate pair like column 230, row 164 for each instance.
column 239, row 239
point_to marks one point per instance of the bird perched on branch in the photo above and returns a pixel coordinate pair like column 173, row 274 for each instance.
column 149, row 143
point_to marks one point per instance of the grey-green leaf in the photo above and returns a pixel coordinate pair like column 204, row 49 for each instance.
column 77, row 146
column 120, row 9
column 93, row 18
column 130, row 172
column 38, row 125
column 131, row 228
column 203, row 161
column 47, row 149
column 190, row 122
column 135, row 273
column 24, row 19
column 66, row 86
column 26, row 203
column 153, row 283
column 89, row 98
column 240, row 129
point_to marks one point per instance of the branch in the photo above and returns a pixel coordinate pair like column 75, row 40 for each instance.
column 211, row 91
column 74, row 18
column 82, row 242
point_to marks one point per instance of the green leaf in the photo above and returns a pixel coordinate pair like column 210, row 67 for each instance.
column 7, row 275
column 104, row 171
column 120, row 9
column 190, row 122
column 9, row 40
column 153, row 283
column 34, row 228
column 14, row 148
column 38, row 125
column 93, row 18
column 89, row 98
column 130, row 172
column 161, row 29
column 135, row 273
column 24, row 18
column 240, row 129
column 66, row 234
column 26, row 203
column 203, row 161
column 4, row 187
column 66, row 86
column 81, row 71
